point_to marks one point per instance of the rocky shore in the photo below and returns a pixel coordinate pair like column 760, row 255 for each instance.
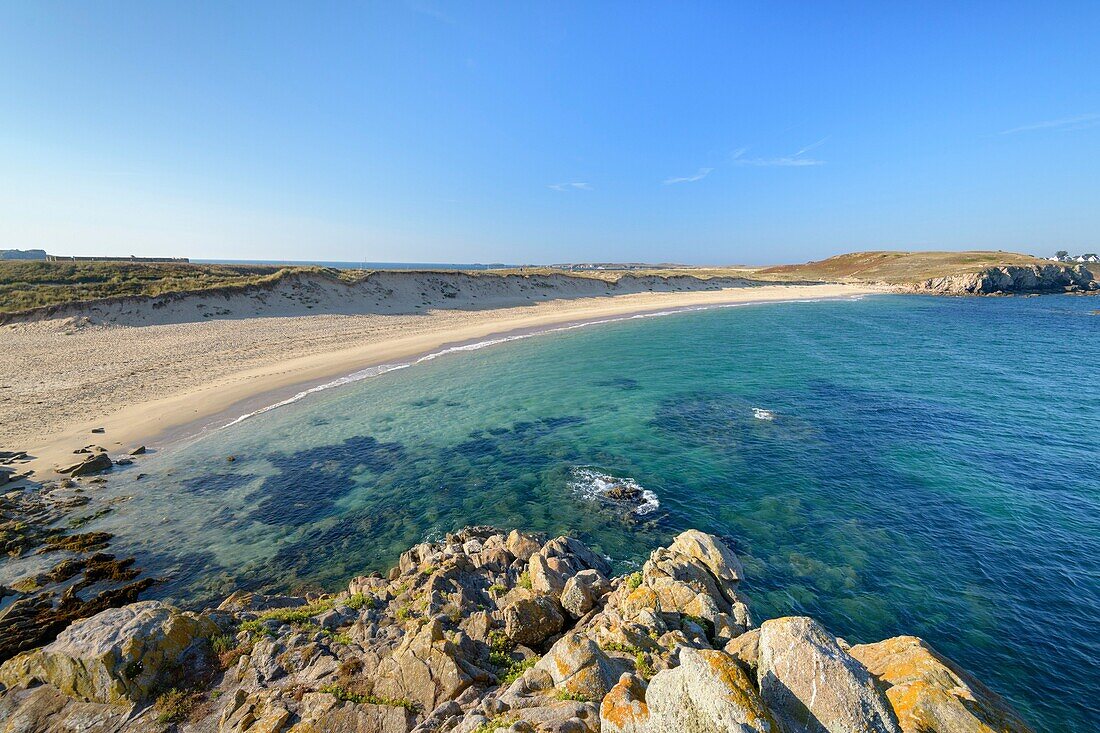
column 492, row 631
column 1009, row 280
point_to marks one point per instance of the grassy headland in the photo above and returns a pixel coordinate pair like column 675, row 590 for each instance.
column 897, row 267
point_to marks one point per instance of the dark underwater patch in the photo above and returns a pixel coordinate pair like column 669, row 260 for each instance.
column 625, row 384
column 308, row 483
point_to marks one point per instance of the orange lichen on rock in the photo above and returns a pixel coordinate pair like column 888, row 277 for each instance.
column 930, row 694
column 624, row 705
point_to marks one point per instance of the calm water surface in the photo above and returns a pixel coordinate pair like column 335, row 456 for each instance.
column 931, row 469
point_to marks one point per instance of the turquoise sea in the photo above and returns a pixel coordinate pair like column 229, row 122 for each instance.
column 930, row 468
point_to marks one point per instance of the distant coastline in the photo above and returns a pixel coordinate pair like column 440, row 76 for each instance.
column 363, row 265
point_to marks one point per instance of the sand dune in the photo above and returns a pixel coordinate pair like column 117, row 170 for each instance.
column 148, row 369
column 386, row 292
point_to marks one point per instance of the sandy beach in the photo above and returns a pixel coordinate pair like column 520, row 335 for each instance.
column 61, row 378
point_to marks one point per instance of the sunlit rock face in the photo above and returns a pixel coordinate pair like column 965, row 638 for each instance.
column 489, row 630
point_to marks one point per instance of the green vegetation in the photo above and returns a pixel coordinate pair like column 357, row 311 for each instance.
column 30, row 284
column 345, row 695
column 78, row 522
column 615, row 646
column 360, row 600
column 296, row 616
column 500, row 648
column 642, row 666
column 516, row 669
column 255, row 628
column 633, row 580
column 566, row 695
column 524, row 580
column 175, row 705
column 496, row 589
column 500, row 655
column 500, row 722
column 896, row 267
column 223, row 643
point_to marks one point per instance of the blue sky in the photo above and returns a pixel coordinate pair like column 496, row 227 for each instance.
column 548, row 132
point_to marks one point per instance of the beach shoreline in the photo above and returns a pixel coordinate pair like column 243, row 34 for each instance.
column 158, row 385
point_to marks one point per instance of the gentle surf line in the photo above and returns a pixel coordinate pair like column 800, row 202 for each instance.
column 380, row 369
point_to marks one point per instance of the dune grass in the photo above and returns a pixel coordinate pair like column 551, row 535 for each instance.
column 25, row 285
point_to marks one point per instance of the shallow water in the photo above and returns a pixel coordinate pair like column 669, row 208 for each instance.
column 930, row 468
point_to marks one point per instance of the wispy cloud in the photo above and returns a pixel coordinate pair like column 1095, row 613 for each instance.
column 810, row 147
column 784, row 161
column 576, row 185
column 798, row 160
column 703, row 173
column 429, row 9
column 1065, row 124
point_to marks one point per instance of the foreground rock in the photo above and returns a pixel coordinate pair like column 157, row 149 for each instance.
column 812, row 684
column 487, row 631
column 119, row 655
column 929, row 692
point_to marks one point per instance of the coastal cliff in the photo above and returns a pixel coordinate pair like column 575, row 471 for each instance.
column 492, row 631
column 1009, row 280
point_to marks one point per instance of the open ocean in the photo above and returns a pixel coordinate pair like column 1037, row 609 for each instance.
column 930, row 469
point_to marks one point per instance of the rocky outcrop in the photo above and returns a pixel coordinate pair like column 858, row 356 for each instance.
column 119, row 655
column 1009, row 280
column 491, row 631
column 813, row 685
column 709, row 691
column 931, row 694
column 38, row 519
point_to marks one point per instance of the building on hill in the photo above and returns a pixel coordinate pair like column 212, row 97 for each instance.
column 131, row 258
column 1064, row 256
column 23, row 254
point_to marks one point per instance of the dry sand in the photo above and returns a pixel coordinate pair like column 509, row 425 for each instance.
column 61, row 378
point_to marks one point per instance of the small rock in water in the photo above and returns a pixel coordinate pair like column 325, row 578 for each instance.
column 619, row 492
column 139, row 451
column 98, row 430
column 94, row 463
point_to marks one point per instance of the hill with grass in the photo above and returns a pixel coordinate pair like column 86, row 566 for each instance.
column 899, row 268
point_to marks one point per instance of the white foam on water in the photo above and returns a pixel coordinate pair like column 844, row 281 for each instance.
column 592, row 484
column 761, row 414
column 379, row 370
